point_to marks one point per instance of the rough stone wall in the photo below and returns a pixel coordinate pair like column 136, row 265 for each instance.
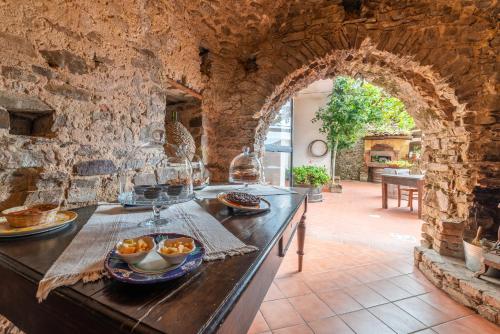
column 101, row 67
column 439, row 57
column 350, row 161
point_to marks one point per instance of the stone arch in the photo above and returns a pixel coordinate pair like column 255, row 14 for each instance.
column 442, row 69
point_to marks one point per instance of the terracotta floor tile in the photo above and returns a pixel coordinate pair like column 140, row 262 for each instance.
column 322, row 281
column 365, row 296
column 363, row 322
column 468, row 325
column 298, row 329
column 259, row 325
column 273, row 293
column 365, row 274
column 332, row 325
column 397, row 319
column 385, row 271
column 410, row 285
column 401, row 266
column 310, row 307
column 447, row 305
column 423, row 312
column 291, row 286
column 280, row 313
column 389, row 290
column 344, row 280
column 339, row 301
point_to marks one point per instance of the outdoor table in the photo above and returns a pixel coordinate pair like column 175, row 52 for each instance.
column 224, row 296
column 414, row 181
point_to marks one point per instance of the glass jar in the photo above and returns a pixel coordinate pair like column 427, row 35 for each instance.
column 200, row 173
column 155, row 174
column 246, row 168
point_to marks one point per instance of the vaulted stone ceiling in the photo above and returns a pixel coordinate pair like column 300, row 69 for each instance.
column 235, row 28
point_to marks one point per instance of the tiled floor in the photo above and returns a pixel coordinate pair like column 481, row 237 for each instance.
column 359, row 277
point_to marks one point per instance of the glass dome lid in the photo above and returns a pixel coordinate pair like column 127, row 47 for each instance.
column 155, row 173
column 246, row 168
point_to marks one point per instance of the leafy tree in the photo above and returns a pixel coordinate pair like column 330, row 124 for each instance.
column 354, row 107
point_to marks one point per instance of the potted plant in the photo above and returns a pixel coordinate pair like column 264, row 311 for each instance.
column 312, row 177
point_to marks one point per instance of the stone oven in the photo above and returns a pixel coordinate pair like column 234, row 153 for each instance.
column 381, row 149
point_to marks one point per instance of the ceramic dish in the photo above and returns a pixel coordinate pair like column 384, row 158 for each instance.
column 263, row 206
column 153, row 269
column 62, row 219
column 175, row 258
column 136, row 257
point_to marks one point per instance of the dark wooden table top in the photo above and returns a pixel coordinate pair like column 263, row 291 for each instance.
column 199, row 307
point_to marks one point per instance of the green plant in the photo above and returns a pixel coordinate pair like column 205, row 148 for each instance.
column 354, row 107
column 400, row 164
column 310, row 175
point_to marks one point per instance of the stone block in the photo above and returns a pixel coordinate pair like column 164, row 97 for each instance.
column 4, row 118
column 81, row 195
column 489, row 313
column 63, row 58
column 68, row 91
column 15, row 102
column 492, row 298
column 43, row 71
column 15, row 73
column 95, row 167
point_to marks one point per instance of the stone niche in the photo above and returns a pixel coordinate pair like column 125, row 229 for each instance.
column 25, row 115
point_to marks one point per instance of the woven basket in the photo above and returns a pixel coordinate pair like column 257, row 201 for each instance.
column 24, row 217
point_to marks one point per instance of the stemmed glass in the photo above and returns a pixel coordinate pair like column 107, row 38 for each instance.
column 159, row 201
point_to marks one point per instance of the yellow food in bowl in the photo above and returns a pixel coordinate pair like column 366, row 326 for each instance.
column 131, row 246
column 177, row 247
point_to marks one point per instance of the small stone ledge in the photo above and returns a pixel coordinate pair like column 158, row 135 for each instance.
column 451, row 275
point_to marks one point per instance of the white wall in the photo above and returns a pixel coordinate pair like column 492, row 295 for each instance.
column 305, row 104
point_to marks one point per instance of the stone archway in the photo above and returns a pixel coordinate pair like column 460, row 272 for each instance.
column 423, row 59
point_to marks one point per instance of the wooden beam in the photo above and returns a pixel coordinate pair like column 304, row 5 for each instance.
column 181, row 87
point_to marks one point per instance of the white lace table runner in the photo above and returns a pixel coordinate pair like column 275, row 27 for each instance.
column 84, row 258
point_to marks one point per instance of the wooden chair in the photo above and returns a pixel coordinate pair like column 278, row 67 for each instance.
column 412, row 194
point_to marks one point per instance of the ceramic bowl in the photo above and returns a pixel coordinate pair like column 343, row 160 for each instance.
column 177, row 257
column 137, row 257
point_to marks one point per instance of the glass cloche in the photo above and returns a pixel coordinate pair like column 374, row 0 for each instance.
column 200, row 173
column 155, row 174
column 246, row 168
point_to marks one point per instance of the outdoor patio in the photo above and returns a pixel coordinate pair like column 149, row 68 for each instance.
column 359, row 276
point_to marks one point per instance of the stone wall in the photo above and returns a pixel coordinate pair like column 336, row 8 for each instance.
column 350, row 161
column 100, row 71
column 451, row 275
column 438, row 57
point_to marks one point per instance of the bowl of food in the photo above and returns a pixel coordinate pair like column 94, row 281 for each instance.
column 175, row 251
column 134, row 250
column 25, row 216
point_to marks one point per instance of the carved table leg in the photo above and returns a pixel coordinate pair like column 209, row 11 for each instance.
column 301, row 234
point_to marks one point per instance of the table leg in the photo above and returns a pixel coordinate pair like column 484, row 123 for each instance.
column 384, row 195
column 301, row 236
column 420, row 186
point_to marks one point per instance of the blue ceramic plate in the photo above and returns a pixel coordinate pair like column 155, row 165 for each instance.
column 153, row 269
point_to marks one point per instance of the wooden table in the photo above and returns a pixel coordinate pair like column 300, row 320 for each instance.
column 224, row 298
column 414, row 181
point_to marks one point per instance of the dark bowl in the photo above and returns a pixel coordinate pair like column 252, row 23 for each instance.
column 139, row 190
column 175, row 190
column 152, row 192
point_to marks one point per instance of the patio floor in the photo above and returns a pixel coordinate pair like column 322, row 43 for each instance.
column 359, row 276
